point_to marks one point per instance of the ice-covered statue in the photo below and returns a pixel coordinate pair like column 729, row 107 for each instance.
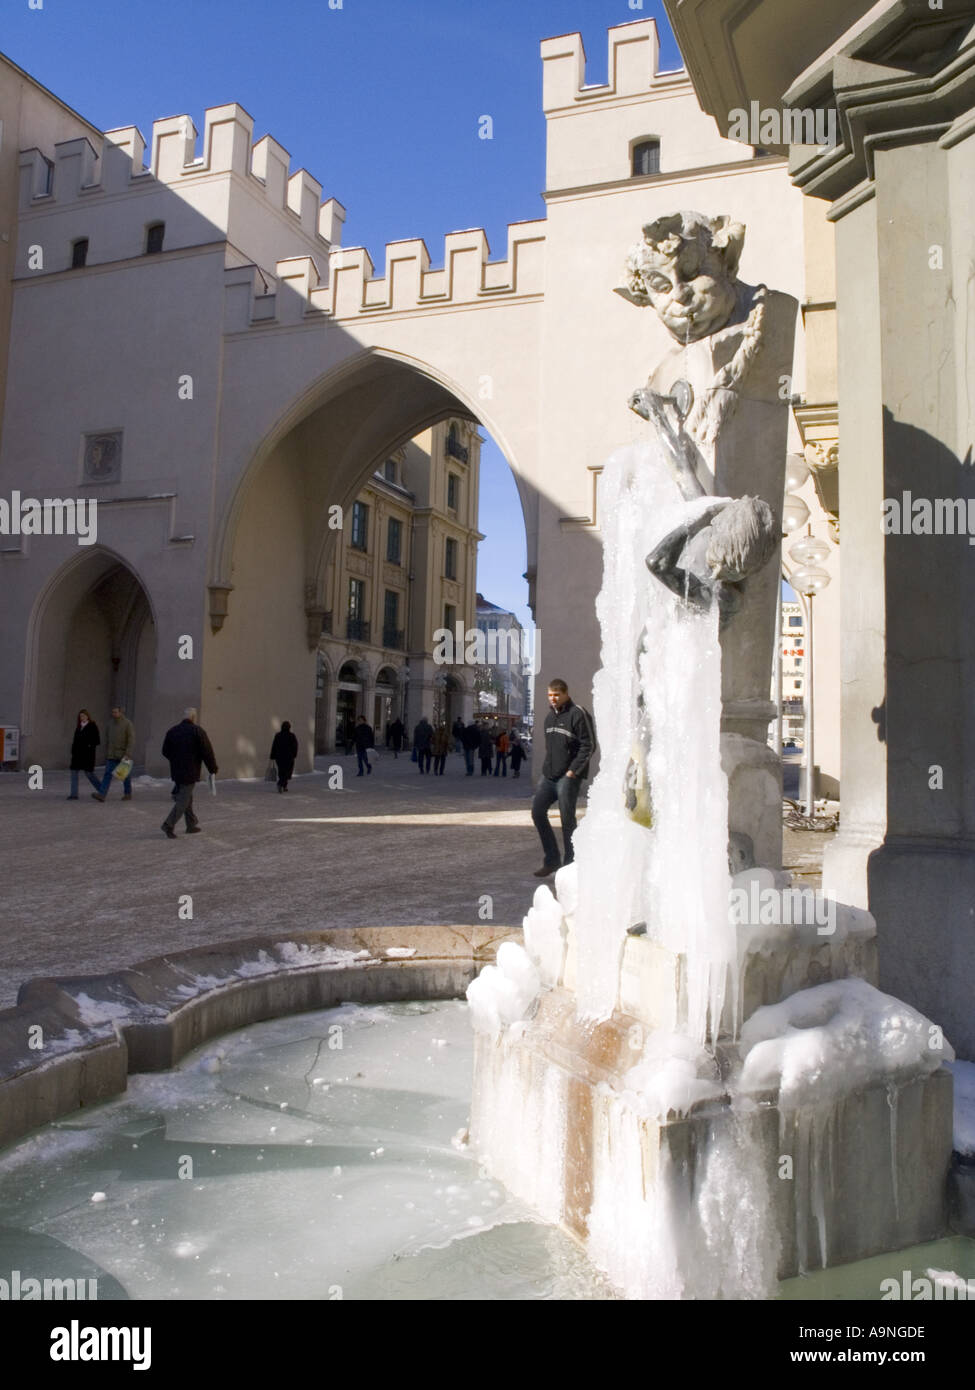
column 648, row 1058
column 717, row 402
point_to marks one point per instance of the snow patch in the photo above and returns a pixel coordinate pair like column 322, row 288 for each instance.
column 824, row 1043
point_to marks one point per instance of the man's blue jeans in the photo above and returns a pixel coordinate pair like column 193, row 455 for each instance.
column 565, row 791
column 110, row 765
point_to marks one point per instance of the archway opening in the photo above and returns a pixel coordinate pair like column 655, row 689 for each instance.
column 352, row 542
column 94, row 648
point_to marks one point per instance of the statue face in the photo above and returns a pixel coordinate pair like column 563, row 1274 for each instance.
column 691, row 293
column 686, row 267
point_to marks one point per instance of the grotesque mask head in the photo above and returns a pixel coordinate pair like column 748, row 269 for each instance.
column 685, row 266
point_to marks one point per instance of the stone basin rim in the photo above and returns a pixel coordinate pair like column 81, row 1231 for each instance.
column 72, row 1041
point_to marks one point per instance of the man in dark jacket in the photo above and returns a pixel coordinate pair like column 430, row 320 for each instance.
column 284, row 753
column 364, row 740
column 187, row 748
column 472, row 742
column 568, row 748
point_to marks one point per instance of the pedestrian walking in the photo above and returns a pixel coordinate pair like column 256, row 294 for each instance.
column 501, row 748
column 486, row 751
column 364, row 740
column 517, row 753
column 422, row 741
column 457, row 734
column 440, row 746
column 119, row 747
column 86, row 739
column 568, row 748
column 396, row 732
column 187, row 748
column 284, row 752
column 472, row 742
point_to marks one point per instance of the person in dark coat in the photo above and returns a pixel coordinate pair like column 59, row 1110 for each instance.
column 517, row 754
column 86, row 740
column 187, row 748
column 364, row 740
column 284, row 752
column 422, row 740
column 457, row 734
column 396, row 732
column 486, row 750
column 472, row 742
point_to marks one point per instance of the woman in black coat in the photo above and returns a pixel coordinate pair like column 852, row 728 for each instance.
column 86, row 740
column 284, row 751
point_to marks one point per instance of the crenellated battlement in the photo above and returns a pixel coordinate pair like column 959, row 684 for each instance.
column 74, row 171
column 468, row 276
column 634, row 67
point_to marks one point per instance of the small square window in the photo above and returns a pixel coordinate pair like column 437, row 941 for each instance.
column 646, row 158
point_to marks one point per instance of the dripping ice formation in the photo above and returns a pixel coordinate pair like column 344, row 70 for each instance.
column 673, row 876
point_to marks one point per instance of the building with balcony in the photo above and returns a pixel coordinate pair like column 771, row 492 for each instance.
column 402, row 564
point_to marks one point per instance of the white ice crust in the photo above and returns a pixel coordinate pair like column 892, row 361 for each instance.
column 827, row 1042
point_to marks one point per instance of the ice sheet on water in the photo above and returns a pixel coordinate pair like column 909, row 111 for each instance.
column 826, row 1042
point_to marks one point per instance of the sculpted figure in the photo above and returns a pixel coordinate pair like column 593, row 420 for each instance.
column 717, row 407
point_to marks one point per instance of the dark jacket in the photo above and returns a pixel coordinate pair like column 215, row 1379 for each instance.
column 517, row 752
column 83, row 746
column 364, row 737
column 457, row 729
column 188, row 748
column 395, row 736
column 486, row 744
column 568, row 743
column 472, row 737
column 423, row 736
column 284, row 750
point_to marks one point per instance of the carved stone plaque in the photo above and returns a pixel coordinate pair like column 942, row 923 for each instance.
column 102, row 458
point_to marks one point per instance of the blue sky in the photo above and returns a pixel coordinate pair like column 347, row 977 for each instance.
column 378, row 99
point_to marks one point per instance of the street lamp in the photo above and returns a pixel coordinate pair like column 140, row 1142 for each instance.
column 809, row 580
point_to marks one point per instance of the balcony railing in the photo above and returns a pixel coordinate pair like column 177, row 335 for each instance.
column 393, row 638
column 457, row 450
column 356, row 630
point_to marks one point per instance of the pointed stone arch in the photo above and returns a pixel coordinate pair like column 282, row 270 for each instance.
column 91, row 643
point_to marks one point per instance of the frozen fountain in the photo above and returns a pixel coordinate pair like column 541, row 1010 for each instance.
column 688, row 1065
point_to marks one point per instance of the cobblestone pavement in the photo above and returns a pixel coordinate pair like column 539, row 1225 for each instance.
column 90, row 887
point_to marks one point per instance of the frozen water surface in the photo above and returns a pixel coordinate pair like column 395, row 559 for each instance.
column 312, row 1157
column 309, row 1157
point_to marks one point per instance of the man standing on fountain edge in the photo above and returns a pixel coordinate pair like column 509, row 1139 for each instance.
column 568, row 748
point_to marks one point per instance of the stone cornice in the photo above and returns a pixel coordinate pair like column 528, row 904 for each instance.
column 878, row 106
